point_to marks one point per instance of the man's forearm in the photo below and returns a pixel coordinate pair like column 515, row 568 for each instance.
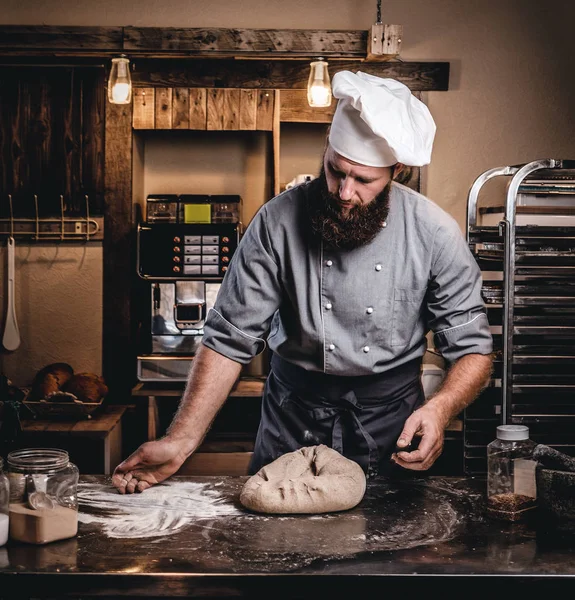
column 211, row 379
column 463, row 383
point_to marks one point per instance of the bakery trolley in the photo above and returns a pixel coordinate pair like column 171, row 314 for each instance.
column 525, row 248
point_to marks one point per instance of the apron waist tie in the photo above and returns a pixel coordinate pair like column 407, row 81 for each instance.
column 350, row 406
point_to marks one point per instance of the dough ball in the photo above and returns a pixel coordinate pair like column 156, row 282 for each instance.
column 87, row 387
column 314, row 479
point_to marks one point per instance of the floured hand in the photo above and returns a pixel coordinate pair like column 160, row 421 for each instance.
column 151, row 463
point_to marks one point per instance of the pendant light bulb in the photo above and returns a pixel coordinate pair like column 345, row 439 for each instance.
column 318, row 85
column 120, row 82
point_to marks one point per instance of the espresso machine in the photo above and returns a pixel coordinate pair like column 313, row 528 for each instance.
column 183, row 251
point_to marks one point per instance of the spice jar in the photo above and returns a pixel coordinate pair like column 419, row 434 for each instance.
column 43, row 495
column 511, row 488
column 4, row 502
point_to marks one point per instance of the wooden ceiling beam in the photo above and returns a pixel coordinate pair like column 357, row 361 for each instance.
column 279, row 74
column 69, row 40
column 248, row 42
column 172, row 41
column 246, row 58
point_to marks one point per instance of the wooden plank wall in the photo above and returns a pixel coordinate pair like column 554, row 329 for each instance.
column 119, row 353
column 51, row 139
column 294, row 108
column 215, row 109
column 222, row 109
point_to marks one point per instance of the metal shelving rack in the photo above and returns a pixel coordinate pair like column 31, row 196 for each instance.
column 529, row 293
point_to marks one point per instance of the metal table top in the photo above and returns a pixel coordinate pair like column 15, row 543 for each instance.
column 192, row 537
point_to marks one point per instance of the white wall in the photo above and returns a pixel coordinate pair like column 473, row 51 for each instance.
column 58, row 308
column 510, row 99
column 215, row 162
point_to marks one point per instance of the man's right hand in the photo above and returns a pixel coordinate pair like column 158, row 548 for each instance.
column 211, row 378
column 151, row 463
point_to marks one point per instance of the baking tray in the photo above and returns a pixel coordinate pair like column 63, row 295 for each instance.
column 535, row 258
column 550, row 231
column 544, row 287
column 543, row 244
column 547, row 245
column 546, row 271
column 567, row 379
column 544, row 316
column 537, row 394
column 559, row 332
column 556, row 362
column 544, row 345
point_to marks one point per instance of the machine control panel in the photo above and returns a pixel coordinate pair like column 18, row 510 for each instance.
column 180, row 251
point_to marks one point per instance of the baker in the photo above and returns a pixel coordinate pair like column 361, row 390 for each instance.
column 343, row 277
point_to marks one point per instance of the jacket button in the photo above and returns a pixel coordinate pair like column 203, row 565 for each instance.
column 369, row 310
column 384, row 224
column 365, row 349
column 378, row 267
column 328, row 306
column 331, row 347
column 328, row 263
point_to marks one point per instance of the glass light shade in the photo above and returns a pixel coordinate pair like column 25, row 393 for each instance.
column 318, row 85
column 120, row 82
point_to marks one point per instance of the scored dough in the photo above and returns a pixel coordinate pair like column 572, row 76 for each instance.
column 314, row 479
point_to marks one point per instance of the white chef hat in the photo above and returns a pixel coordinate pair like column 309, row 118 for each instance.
column 379, row 122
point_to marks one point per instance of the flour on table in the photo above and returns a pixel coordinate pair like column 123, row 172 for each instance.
column 160, row 510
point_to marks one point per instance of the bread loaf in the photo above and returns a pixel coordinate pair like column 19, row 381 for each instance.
column 87, row 387
column 50, row 379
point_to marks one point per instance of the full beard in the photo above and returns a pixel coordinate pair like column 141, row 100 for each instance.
column 345, row 231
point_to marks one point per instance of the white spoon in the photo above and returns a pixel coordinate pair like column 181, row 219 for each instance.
column 37, row 500
column 11, row 339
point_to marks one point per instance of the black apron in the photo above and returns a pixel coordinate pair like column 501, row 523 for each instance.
column 360, row 417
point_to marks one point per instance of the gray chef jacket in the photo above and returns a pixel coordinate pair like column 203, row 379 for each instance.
column 350, row 312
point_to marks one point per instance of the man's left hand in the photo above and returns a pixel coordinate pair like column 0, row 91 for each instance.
column 428, row 424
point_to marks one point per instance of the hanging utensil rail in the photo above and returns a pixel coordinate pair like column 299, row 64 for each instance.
column 53, row 229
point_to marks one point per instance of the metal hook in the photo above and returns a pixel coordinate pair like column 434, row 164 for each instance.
column 11, row 216
column 62, row 216
column 87, row 217
column 37, row 217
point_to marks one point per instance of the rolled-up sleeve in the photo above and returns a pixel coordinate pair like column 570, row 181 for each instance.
column 249, row 296
column 456, row 312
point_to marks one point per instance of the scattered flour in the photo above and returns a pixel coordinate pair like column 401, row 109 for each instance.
column 160, row 510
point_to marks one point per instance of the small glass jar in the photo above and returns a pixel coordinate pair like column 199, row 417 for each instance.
column 4, row 503
column 43, row 495
column 511, row 487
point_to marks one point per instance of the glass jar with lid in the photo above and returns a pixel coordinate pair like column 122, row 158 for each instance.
column 43, row 495
column 4, row 503
column 511, row 487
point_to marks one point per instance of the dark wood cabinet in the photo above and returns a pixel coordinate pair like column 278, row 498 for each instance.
column 52, row 139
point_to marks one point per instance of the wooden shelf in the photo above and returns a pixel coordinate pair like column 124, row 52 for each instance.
column 246, row 388
column 94, row 445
